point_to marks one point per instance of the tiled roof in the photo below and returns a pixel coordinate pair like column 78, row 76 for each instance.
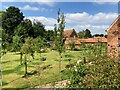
column 94, row 40
column 68, row 32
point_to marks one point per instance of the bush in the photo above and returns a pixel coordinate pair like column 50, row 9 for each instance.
column 99, row 73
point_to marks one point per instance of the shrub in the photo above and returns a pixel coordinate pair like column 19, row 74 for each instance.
column 99, row 73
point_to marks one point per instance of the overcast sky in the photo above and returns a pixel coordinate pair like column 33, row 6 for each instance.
column 95, row 16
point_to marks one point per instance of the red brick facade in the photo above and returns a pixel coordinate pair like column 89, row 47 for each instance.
column 114, row 39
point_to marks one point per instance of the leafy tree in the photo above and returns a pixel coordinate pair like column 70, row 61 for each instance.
column 10, row 20
column 88, row 33
column 5, row 43
column 85, row 34
column 101, row 35
column 39, row 44
column 39, row 29
column 59, row 36
column 24, row 29
column 16, row 43
column 81, row 34
column 27, row 49
column 49, row 35
column 105, row 36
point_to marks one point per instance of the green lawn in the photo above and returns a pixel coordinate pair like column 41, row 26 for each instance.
column 12, row 71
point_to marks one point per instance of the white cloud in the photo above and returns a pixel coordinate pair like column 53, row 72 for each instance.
column 45, row 2
column 49, row 27
column 97, row 23
column 93, row 28
column 85, row 18
column 28, row 7
column 60, row 0
column 81, row 18
column 46, row 21
column 104, row 17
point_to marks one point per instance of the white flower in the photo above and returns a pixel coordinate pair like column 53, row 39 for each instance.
column 76, row 69
column 74, row 66
column 79, row 61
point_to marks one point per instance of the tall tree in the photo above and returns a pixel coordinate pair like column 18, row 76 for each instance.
column 49, row 35
column 88, row 33
column 81, row 34
column 24, row 29
column 59, row 36
column 85, row 34
column 39, row 29
column 10, row 20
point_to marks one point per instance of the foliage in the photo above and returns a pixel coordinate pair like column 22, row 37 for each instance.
column 4, row 43
column 39, row 43
column 58, row 32
column 85, row 34
column 39, row 29
column 78, row 71
column 24, row 29
column 101, row 35
column 98, row 71
column 49, row 36
column 27, row 49
column 10, row 20
column 16, row 43
column 59, row 37
column 88, row 33
column 81, row 34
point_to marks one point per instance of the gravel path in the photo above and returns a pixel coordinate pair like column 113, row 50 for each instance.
column 60, row 84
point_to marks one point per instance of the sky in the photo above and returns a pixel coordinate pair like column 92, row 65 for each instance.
column 95, row 16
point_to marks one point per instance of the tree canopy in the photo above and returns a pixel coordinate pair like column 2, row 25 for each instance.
column 85, row 34
column 11, row 19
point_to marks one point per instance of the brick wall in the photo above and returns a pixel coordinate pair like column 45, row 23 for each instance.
column 113, row 42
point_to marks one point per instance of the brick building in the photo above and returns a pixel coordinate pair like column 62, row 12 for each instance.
column 71, row 36
column 114, row 39
column 94, row 40
column 70, row 33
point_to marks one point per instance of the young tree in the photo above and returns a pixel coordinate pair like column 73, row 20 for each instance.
column 39, row 43
column 59, row 36
column 27, row 49
column 4, row 42
column 16, row 43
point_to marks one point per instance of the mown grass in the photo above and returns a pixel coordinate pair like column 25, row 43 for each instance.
column 13, row 72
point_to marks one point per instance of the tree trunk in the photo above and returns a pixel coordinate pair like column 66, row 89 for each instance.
column 60, row 65
column 25, row 65
column 40, row 54
column 21, row 54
